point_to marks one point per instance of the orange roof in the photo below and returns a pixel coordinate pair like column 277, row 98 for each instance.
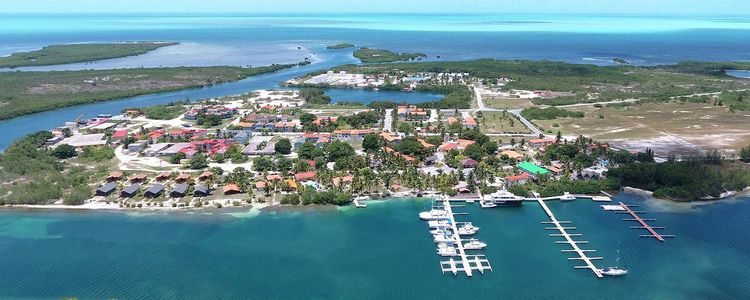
column 260, row 184
column 115, row 175
column 291, row 183
column 512, row 154
column 206, row 174
column 540, row 141
column 352, row 131
column 523, row 176
column 183, row 176
column 470, row 121
column 245, row 124
column 273, row 177
column 425, row 144
column 304, row 176
column 452, row 120
column 231, row 188
column 465, row 143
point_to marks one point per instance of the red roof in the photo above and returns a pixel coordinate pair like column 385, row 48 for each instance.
column 120, row 133
column 523, row 176
column 305, row 176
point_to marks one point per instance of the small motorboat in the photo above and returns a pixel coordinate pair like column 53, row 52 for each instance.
column 433, row 214
column 487, row 204
column 474, row 244
column 567, row 197
column 443, row 231
column 613, row 271
column 438, row 223
column 446, row 250
column 467, row 229
column 442, row 238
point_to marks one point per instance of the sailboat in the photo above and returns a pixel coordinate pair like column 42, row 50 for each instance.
column 616, row 270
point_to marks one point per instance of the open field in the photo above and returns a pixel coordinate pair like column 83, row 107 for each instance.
column 74, row 53
column 667, row 127
column 495, row 122
column 31, row 92
column 506, row 103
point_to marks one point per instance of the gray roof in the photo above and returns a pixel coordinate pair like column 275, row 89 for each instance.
column 180, row 188
column 109, row 187
column 132, row 189
column 201, row 189
column 155, row 189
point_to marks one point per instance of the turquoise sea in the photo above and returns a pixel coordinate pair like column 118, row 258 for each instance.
column 382, row 251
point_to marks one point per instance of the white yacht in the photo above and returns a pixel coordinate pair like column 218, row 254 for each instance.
column 504, row 198
column 474, row 244
column 442, row 238
column 613, row 271
column 438, row 223
column 433, row 214
column 487, row 204
column 467, row 229
column 440, row 231
column 446, row 250
column 567, row 197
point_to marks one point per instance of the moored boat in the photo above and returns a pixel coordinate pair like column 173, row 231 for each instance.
column 474, row 244
column 504, row 198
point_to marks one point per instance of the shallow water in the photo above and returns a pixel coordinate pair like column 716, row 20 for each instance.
column 382, row 251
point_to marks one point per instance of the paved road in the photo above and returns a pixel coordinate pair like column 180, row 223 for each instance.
column 388, row 121
column 478, row 94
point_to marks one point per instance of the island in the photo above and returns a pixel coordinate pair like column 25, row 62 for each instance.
column 367, row 55
column 76, row 53
column 32, row 92
column 340, row 46
column 619, row 60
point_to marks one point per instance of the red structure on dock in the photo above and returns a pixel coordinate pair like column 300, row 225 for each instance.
column 644, row 224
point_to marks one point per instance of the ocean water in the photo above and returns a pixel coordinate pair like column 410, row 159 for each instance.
column 382, row 251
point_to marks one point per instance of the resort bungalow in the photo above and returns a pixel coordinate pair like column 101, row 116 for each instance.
column 182, row 178
column 106, row 189
column 205, row 175
column 130, row 191
column 154, row 191
column 260, row 185
column 115, row 176
column 305, row 176
column 469, row 123
column 140, row 177
column 231, row 189
column 179, row 191
column 163, row 176
column 201, row 191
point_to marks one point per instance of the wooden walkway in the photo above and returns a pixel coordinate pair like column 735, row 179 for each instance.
column 644, row 224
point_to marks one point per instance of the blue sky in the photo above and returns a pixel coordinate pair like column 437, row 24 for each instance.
column 386, row 6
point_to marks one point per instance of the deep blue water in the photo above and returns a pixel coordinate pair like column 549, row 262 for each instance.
column 382, row 251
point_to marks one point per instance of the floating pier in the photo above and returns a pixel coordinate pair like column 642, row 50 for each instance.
column 644, row 223
column 466, row 263
column 569, row 240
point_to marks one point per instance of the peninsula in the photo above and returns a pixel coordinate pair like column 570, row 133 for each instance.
column 32, row 92
column 76, row 53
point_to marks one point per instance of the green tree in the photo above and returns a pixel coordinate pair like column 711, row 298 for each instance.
column 177, row 157
column 262, row 164
column 283, row 146
column 64, row 151
column 475, row 152
column 745, row 154
column 307, row 118
column 198, row 161
column 372, row 142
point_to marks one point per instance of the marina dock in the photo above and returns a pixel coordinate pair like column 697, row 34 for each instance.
column 463, row 262
column 644, row 224
column 558, row 225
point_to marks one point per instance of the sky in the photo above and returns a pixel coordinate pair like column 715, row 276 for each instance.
column 719, row 7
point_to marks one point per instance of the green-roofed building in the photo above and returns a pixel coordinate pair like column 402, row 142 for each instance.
column 532, row 169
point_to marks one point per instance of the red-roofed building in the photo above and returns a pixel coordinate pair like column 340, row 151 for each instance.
column 469, row 123
column 305, row 176
column 517, row 179
column 538, row 143
column 120, row 135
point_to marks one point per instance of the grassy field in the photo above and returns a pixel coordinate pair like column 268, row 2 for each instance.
column 663, row 127
column 506, row 103
column 74, row 53
column 31, row 92
column 497, row 122
column 367, row 55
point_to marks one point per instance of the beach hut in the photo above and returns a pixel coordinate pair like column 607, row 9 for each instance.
column 179, row 191
column 201, row 191
column 154, row 191
column 231, row 189
column 130, row 191
column 106, row 189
